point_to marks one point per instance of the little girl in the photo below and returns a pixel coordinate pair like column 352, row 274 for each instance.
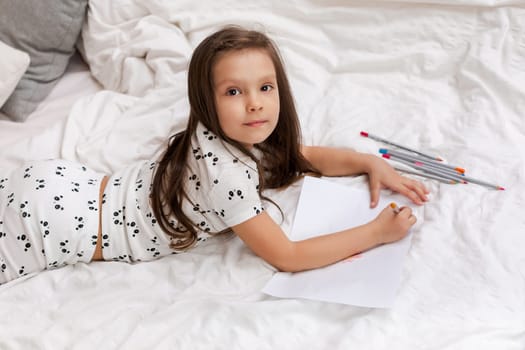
column 243, row 137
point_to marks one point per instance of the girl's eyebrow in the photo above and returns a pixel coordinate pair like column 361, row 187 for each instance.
column 231, row 81
column 269, row 77
column 227, row 81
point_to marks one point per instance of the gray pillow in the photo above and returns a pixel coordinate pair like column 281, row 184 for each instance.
column 47, row 31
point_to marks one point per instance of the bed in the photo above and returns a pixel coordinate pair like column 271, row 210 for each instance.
column 443, row 76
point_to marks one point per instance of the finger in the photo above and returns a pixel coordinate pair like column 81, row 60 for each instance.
column 403, row 188
column 425, row 188
column 410, row 189
column 375, row 188
column 413, row 196
column 405, row 211
column 419, row 188
column 412, row 220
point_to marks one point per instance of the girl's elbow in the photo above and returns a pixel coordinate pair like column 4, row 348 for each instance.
column 287, row 267
column 288, row 261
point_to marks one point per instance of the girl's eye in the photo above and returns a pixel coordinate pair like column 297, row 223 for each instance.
column 266, row 87
column 233, row 92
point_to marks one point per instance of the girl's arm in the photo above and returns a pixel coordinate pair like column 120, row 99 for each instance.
column 268, row 241
column 341, row 162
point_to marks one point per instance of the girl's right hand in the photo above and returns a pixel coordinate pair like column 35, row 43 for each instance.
column 393, row 227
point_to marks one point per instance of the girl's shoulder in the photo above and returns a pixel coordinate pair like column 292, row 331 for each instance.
column 217, row 166
column 222, row 182
column 214, row 152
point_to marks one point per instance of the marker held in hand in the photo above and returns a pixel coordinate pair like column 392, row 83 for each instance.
column 395, row 207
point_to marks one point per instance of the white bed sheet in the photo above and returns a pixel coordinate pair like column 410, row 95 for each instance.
column 442, row 76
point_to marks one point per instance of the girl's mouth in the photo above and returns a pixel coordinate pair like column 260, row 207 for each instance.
column 255, row 123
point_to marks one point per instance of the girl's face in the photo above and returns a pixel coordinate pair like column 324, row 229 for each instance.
column 246, row 95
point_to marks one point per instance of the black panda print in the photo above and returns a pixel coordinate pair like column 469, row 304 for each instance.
column 48, row 215
column 60, row 198
column 222, row 186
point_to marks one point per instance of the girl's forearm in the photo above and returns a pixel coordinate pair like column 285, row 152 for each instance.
column 336, row 161
column 327, row 249
column 267, row 239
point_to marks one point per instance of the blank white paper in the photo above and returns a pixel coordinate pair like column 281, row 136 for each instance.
column 369, row 279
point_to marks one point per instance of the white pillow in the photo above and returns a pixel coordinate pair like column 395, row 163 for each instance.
column 13, row 64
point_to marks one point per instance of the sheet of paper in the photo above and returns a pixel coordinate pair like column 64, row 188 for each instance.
column 369, row 279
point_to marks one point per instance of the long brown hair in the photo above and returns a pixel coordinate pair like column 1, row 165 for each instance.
column 281, row 162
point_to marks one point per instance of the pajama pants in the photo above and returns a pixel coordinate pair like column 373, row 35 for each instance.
column 49, row 216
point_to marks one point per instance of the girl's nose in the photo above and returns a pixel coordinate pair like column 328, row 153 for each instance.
column 255, row 108
column 254, row 103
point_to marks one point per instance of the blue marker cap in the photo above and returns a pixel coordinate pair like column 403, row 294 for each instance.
column 383, row 151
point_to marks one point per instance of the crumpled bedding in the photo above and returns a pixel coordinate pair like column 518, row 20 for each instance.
column 442, row 76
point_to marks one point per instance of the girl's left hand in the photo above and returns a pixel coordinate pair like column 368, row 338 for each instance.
column 382, row 175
